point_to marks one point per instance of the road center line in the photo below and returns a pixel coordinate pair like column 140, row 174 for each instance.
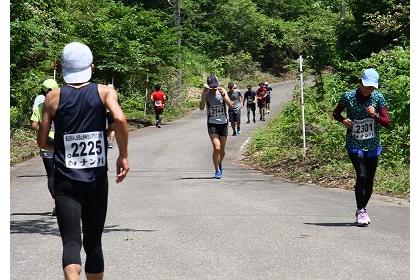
column 244, row 144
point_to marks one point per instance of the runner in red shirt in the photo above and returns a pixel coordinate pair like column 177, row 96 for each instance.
column 261, row 100
column 158, row 97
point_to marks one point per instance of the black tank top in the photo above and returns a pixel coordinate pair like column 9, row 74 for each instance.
column 80, row 142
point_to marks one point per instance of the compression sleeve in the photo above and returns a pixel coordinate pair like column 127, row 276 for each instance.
column 337, row 113
column 383, row 118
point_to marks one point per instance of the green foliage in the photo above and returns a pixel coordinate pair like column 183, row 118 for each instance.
column 293, row 10
column 238, row 66
column 374, row 25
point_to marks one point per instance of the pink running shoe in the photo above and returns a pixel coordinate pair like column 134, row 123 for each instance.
column 367, row 217
column 362, row 219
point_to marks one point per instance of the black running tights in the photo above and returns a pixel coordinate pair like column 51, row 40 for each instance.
column 365, row 173
column 49, row 168
column 87, row 202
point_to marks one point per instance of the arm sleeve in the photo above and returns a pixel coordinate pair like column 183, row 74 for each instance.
column 337, row 113
column 383, row 118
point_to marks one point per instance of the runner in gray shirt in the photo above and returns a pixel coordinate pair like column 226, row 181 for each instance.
column 216, row 99
column 235, row 112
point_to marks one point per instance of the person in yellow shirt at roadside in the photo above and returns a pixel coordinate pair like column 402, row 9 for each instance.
column 47, row 156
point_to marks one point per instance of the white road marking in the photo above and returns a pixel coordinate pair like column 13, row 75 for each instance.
column 245, row 143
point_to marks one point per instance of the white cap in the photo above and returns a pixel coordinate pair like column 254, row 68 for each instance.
column 76, row 61
column 370, row 78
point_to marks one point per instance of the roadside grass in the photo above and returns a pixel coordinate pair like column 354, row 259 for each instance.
column 23, row 145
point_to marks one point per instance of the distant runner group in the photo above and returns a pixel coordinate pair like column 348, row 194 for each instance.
column 215, row 98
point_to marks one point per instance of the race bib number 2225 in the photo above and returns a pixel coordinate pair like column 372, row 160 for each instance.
column 84, row 150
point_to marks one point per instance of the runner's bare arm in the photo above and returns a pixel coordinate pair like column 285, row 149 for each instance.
column 226, row 97
column 203, row 99
column 110, row 99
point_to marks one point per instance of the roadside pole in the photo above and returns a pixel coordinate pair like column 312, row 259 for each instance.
column 146, row 94
column 303, row 104
column 55, row 67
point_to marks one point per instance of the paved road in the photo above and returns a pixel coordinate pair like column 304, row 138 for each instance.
column 170, row 220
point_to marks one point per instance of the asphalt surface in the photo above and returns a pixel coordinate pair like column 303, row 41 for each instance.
column 171, row 220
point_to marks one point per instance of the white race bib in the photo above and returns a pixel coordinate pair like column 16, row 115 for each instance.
column 363, row 129
column 84, row 150
column 158, row 103
column 217, row 111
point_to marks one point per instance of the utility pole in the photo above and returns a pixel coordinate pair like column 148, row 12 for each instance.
column 303, row 104
column 343, row 9
column 178, row 28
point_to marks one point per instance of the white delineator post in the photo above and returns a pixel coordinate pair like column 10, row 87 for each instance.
column 146, row 94
column 303, row 104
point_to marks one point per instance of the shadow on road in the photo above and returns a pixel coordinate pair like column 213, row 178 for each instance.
column 48, row 226
column 113, row 228
column 32, row 214
column 43, row 226
column 332, row 224
column 31, row 176
column 194, row 178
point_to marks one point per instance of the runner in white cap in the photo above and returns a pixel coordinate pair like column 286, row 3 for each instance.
column 80, row 158
column 366, row 112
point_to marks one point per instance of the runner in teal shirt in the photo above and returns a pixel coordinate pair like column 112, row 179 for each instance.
column 363, row 137
column 366, row 111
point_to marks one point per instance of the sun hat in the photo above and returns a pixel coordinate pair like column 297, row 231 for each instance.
column 76, row 61
column 49, row 84
column 370, row 78
column 212, row 81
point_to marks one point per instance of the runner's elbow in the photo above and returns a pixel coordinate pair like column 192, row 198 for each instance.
column 120, row 119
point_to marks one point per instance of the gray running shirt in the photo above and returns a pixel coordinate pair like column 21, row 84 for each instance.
column 235, row 97
column 216, row 108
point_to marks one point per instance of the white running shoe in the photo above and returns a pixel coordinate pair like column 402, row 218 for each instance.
column 367, row 216
column 362, row 219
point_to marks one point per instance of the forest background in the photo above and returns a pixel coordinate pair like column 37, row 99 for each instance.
column 241, row 40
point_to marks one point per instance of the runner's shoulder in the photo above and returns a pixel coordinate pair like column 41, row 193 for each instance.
column 105, row 90
column 52, row 96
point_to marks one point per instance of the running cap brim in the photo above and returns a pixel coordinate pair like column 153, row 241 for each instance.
column 370, row 78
